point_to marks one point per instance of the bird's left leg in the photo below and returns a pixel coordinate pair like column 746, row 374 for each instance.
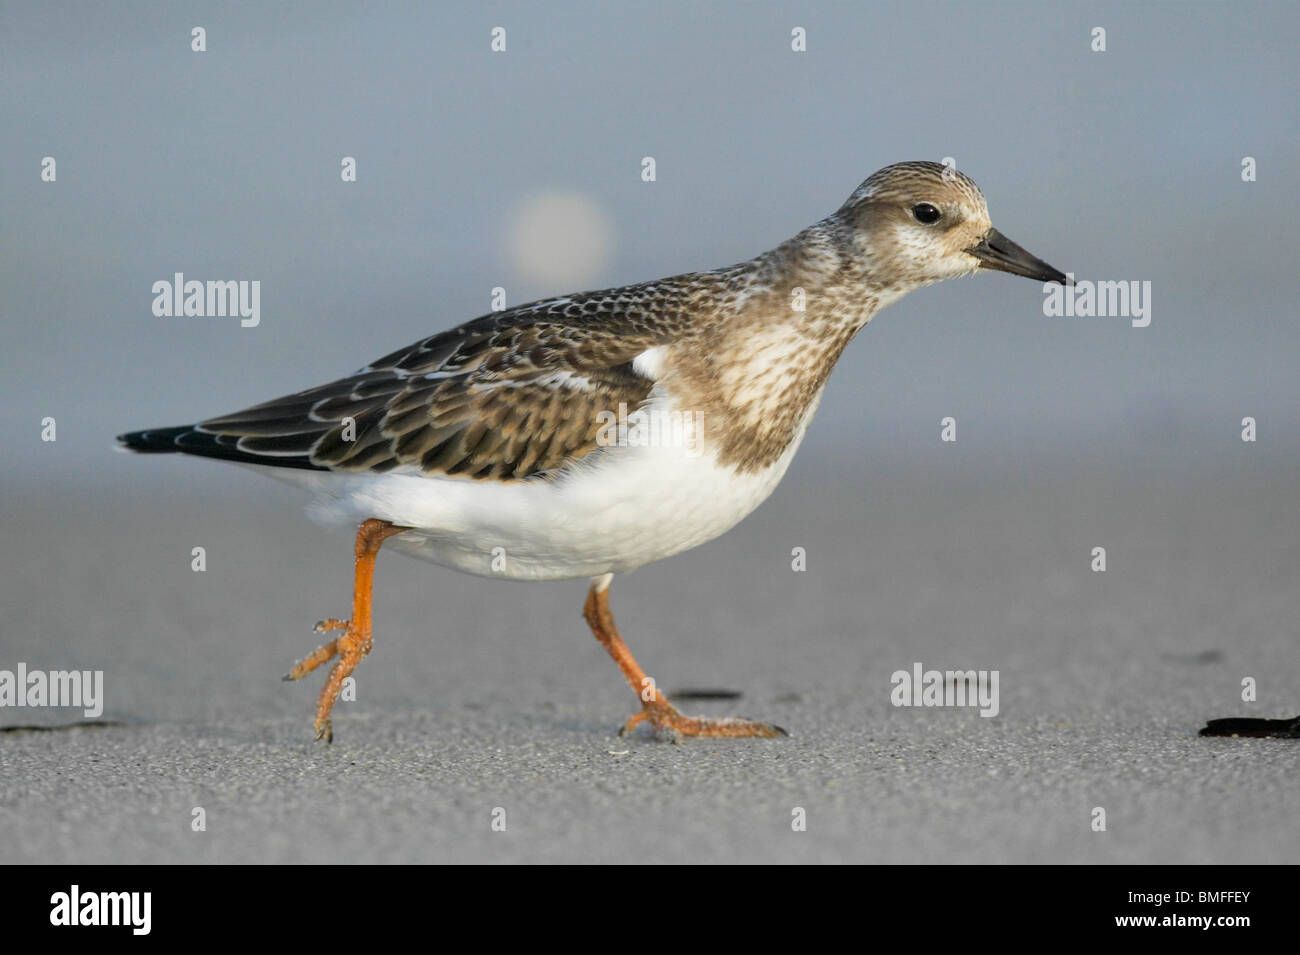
column 356, row 640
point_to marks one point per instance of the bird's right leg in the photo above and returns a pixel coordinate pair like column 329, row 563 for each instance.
column 655, row 708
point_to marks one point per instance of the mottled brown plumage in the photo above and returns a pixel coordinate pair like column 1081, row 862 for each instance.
column 518, row 394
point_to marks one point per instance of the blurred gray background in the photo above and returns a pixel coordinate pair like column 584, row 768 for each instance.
column 522, row 170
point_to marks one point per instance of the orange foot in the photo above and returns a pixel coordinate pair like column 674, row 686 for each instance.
column 356, row 641
column 350, row 648
column 665, row 720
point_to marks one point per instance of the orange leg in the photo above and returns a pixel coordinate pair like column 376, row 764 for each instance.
column 356, row 640
column 655, row 708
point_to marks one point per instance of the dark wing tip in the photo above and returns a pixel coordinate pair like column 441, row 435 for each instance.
column 154, row 440
column 187, row 439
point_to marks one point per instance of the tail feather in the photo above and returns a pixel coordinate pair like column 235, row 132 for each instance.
column 188, row 439
column 153, row 441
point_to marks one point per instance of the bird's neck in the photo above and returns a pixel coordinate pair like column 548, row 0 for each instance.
column 783, row 319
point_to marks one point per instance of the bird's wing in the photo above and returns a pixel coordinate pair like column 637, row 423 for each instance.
column 504, row 397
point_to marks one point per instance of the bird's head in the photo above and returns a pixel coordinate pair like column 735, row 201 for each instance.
column 914, row 223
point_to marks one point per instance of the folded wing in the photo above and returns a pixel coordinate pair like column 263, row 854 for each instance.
column 504, row 397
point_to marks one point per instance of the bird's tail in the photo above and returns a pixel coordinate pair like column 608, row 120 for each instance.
column 192, row 439
column 154, row 440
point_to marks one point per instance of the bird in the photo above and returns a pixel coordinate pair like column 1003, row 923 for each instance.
column 586, row 435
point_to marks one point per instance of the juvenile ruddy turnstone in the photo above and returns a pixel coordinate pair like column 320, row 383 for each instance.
column 512, row 445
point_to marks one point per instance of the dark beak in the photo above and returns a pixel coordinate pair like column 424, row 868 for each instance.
column 996, row 251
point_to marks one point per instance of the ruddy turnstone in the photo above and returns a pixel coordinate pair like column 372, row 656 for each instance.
column 518, row 444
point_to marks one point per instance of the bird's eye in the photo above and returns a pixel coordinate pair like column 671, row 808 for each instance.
column 925, row 213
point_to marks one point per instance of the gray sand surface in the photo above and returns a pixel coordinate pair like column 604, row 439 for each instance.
column 483, row 694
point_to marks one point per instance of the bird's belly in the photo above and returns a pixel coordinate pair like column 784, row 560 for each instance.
column 610, row 513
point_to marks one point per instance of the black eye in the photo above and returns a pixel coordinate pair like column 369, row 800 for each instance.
column 925, row 213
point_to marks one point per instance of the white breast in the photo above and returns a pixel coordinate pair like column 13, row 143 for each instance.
column 612, row 512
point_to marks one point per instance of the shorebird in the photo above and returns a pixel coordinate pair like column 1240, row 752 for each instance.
column 523, row 444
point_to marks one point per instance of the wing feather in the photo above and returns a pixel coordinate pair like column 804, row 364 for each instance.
column 505, row 397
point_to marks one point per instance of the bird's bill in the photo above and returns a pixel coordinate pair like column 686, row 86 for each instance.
column 996, row 251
